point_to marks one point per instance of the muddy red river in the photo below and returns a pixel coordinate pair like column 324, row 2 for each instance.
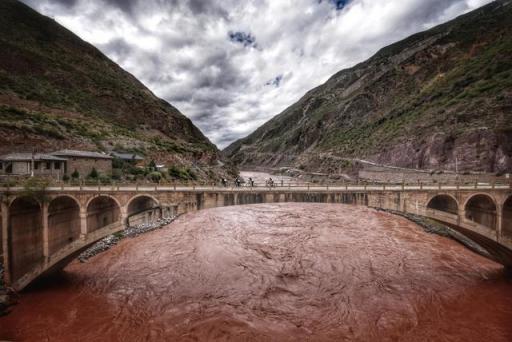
column 276, row 272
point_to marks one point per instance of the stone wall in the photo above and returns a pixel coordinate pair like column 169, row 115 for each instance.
column 23, row 168
column 85, row 165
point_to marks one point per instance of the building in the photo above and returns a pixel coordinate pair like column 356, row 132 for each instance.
column 32, row 164
column 131, row 158
column 85, row 161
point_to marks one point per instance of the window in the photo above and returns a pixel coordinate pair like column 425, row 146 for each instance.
column 1, row 166
column 48, row 165
column 37, row 165
column 56, row 165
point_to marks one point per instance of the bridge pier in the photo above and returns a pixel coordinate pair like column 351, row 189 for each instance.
column 83, row 223
column 46, row 234
column 5, row 242
column 499, row 222
column 460, row 214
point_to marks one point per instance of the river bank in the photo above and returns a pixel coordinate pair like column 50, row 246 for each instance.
column 7, row 296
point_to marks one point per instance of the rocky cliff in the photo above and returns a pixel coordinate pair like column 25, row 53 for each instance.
column 57, row 91
column 435, row 99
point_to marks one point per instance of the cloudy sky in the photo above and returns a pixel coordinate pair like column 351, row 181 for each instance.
column 231, row 65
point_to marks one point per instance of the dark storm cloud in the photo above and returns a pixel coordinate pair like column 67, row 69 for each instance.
column 223, row 62
column 124, row 5
column 338, row 4
column 276, row 81
column 246, row 39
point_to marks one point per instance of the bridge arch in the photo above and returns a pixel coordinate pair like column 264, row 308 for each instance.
column 141, row 202
column 102, row 211
column 25, row 231
column 506, row 229
column 63, row 222
column 481, row 208
column 444, row 202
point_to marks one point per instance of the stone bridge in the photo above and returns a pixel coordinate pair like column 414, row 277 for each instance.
column 44, row 231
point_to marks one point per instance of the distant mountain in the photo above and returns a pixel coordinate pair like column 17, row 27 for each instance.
column 429, row 100
column 57, row 91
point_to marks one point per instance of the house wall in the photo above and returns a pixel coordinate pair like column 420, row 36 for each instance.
column 20, row 167
column 53, row 171
column 85, row 165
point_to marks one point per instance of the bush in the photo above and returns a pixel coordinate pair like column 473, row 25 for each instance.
column 117, row 163
column 94, row 174
column 75, row 174
column 155, row 176
column 133, row 170
column 36, row 188
column 65, row 178
column 192, row 175
column 105, row 179
column 152, row 166
column 180, row 173
column 117, row 174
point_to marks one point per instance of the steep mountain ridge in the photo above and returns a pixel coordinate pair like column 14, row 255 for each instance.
column 58, row 91
column 438, row 98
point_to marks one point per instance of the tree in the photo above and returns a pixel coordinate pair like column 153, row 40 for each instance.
column 75, row 174
column 155, row 176
column 94, row 174
column 35, row 187
column 152, row 166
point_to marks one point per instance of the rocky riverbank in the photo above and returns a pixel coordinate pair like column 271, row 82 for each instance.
column 113, row 239
column 434, row 227
column 6, row 294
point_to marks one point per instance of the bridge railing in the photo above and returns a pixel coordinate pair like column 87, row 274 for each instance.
column 169, row 185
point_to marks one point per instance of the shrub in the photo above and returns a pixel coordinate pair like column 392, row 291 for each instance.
column 75, row 174
column 94, row 174
column 65, row 178
column 117, row 174
column 117, row 163
column 192, row 175
column 36, row 188
column 104, row 179
column 155, row 176
column 152, row 166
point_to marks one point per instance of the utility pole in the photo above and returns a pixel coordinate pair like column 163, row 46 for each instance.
column 456, row 165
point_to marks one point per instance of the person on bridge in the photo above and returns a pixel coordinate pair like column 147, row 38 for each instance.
column 270, row 182
column 251, row 182
column 224, row 182
column 237, row 182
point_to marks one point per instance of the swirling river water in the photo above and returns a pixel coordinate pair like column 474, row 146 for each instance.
column 273, row 272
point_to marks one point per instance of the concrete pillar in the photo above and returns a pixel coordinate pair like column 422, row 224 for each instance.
column 83, row 223
column 461, row 214
column 46, row 232
column 124, row 216
column 499, row 222
column 5, row 242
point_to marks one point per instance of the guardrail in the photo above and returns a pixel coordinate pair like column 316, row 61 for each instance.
column 261, row 187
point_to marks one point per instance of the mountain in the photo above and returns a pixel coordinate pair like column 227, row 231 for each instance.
column 437, row 98
column 57, row 91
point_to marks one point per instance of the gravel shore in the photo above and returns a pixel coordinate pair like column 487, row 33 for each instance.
column 434, row 227
column 113, row 239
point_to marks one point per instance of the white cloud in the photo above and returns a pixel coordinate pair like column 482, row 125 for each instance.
column 182, row 50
